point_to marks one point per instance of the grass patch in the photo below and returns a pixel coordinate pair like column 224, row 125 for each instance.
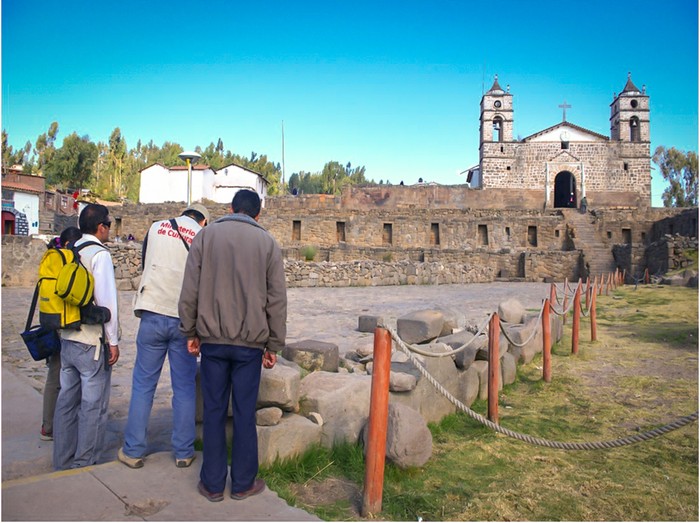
column 640, row 374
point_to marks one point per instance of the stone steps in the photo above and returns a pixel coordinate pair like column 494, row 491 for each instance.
column 598, row 258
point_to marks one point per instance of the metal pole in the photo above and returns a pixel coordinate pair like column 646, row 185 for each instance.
column 378, row 421
column 189, row 182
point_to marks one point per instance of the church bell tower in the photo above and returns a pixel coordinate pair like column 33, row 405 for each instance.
column 496, row 121
column 629, row 114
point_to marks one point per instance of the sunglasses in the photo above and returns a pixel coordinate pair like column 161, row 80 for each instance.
column 107, row 224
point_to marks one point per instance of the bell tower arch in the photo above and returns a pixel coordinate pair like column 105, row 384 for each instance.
column 496, row 120
column 629, row 114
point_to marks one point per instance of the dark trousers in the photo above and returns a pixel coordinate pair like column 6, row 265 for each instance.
column 229, row 371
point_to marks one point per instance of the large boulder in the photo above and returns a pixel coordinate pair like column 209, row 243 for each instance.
column 367, row 323
column 425, row 398
column 342, row 400
column 483, row 351
column 465, row 357
column 530, row 332
column 511, row 311
column 313, row 355
column 409, row 442
column 468, row 389
column 509, row 369
column 292, row 436
column 482, row 369
column 268, row 416
column 279, row 387
column 420, row 326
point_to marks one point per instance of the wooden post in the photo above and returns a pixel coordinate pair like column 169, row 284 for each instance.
column 577, row 319
column 546, row 344
column 378, row 420
column 566, row 301
column 594, row 327
column 587, row 296
column 646, row 276
column 600, row 287
column 553, row 293
column 608, row 284
column 494, row 371
column 623, row 276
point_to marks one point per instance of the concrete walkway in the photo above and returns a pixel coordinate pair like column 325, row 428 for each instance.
column 112, row 492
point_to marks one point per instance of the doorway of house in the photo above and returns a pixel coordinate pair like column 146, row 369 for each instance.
column 565, row 190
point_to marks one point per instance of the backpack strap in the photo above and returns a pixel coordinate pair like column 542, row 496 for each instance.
column 173, row 224
column 32, row 307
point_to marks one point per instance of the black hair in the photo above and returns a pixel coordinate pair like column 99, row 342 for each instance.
column 195, row 215
column 92, row 216
column 70, row 235
column 246, row 202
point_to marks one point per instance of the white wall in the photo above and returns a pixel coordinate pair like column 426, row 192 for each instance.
column 230, row 179
column 29, row 205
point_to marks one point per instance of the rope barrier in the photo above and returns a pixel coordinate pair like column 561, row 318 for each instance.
column 599, row 445
column 418, row 350
column 532, row 334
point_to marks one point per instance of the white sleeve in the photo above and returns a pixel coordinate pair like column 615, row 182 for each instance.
column 106, row 292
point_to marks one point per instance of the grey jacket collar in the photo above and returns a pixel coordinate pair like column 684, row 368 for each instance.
column 238, row 217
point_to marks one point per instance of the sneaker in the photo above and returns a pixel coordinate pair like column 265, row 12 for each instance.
column 184, row 463
column 45, row 436
column 211, row 496
column 132, row 463
column 257, row 488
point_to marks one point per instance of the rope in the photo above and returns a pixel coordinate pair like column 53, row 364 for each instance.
column 532, row 334
column 620, row 442
column 418, row 350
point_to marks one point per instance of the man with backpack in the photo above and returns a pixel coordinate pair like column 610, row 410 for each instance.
column 80, row 420
column 163, row 259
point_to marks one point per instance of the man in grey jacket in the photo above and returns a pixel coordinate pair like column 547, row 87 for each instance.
column 233, row 309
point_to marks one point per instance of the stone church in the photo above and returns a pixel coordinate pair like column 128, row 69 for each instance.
column 559, row 166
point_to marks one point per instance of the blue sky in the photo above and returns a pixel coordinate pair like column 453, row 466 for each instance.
column 393, row 86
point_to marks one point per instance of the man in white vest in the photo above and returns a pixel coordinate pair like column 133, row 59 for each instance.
column 163, row 259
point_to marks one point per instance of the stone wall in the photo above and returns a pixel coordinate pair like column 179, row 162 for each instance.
column 20, row 260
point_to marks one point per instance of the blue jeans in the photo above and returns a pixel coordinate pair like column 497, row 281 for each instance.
column 159, row 335
column 230, row 371
column 80, row 419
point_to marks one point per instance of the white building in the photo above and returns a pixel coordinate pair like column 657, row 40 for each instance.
column 161, row 184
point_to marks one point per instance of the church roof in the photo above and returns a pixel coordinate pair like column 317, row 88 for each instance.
column 496, row 88
column 564, row 125
column 629, row 86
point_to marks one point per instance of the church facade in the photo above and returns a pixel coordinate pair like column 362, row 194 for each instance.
column 559, row 166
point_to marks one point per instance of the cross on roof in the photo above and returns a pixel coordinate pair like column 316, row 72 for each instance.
column 564, row 106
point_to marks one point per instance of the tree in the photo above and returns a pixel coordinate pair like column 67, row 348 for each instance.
column 680, row 169
column 9, row 156
column 115, row 162
column 72, row 165
column 44, row 148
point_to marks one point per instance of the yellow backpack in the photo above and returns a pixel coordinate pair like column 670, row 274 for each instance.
column 64, row 287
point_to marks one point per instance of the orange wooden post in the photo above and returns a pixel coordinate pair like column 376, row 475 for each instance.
column 577, row 319
column 646, row 276
column 608, row 284
column 566, row 301
column 594, row 327
column 553, row 293
column 378, row 421
column 494, row 371
column 587, row 296
column 546, row 344
column 600, row 287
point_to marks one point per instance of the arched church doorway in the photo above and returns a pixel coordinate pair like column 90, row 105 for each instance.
column 565, row 190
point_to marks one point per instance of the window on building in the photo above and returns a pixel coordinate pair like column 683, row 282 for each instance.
column 556, row 233
column 483, row 235
column 296, row 230
column 609, row 235
column 434, row 234
column 627, row 236
column 644, row 237
column 532, row 236
column 340, row 231
column 498, row 129
column 626, row 166
column 508, row 232
column 387, row 234
column 635, row 132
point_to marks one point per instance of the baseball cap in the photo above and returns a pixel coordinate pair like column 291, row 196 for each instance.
column 200, row 209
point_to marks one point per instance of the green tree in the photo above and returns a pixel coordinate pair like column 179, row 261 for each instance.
column 680, row 170
column 72, row 165
column 11, row 157
column 115, row 163
column 44, row 148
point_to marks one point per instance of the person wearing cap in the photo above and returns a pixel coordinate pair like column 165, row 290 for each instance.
column 163, row 258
